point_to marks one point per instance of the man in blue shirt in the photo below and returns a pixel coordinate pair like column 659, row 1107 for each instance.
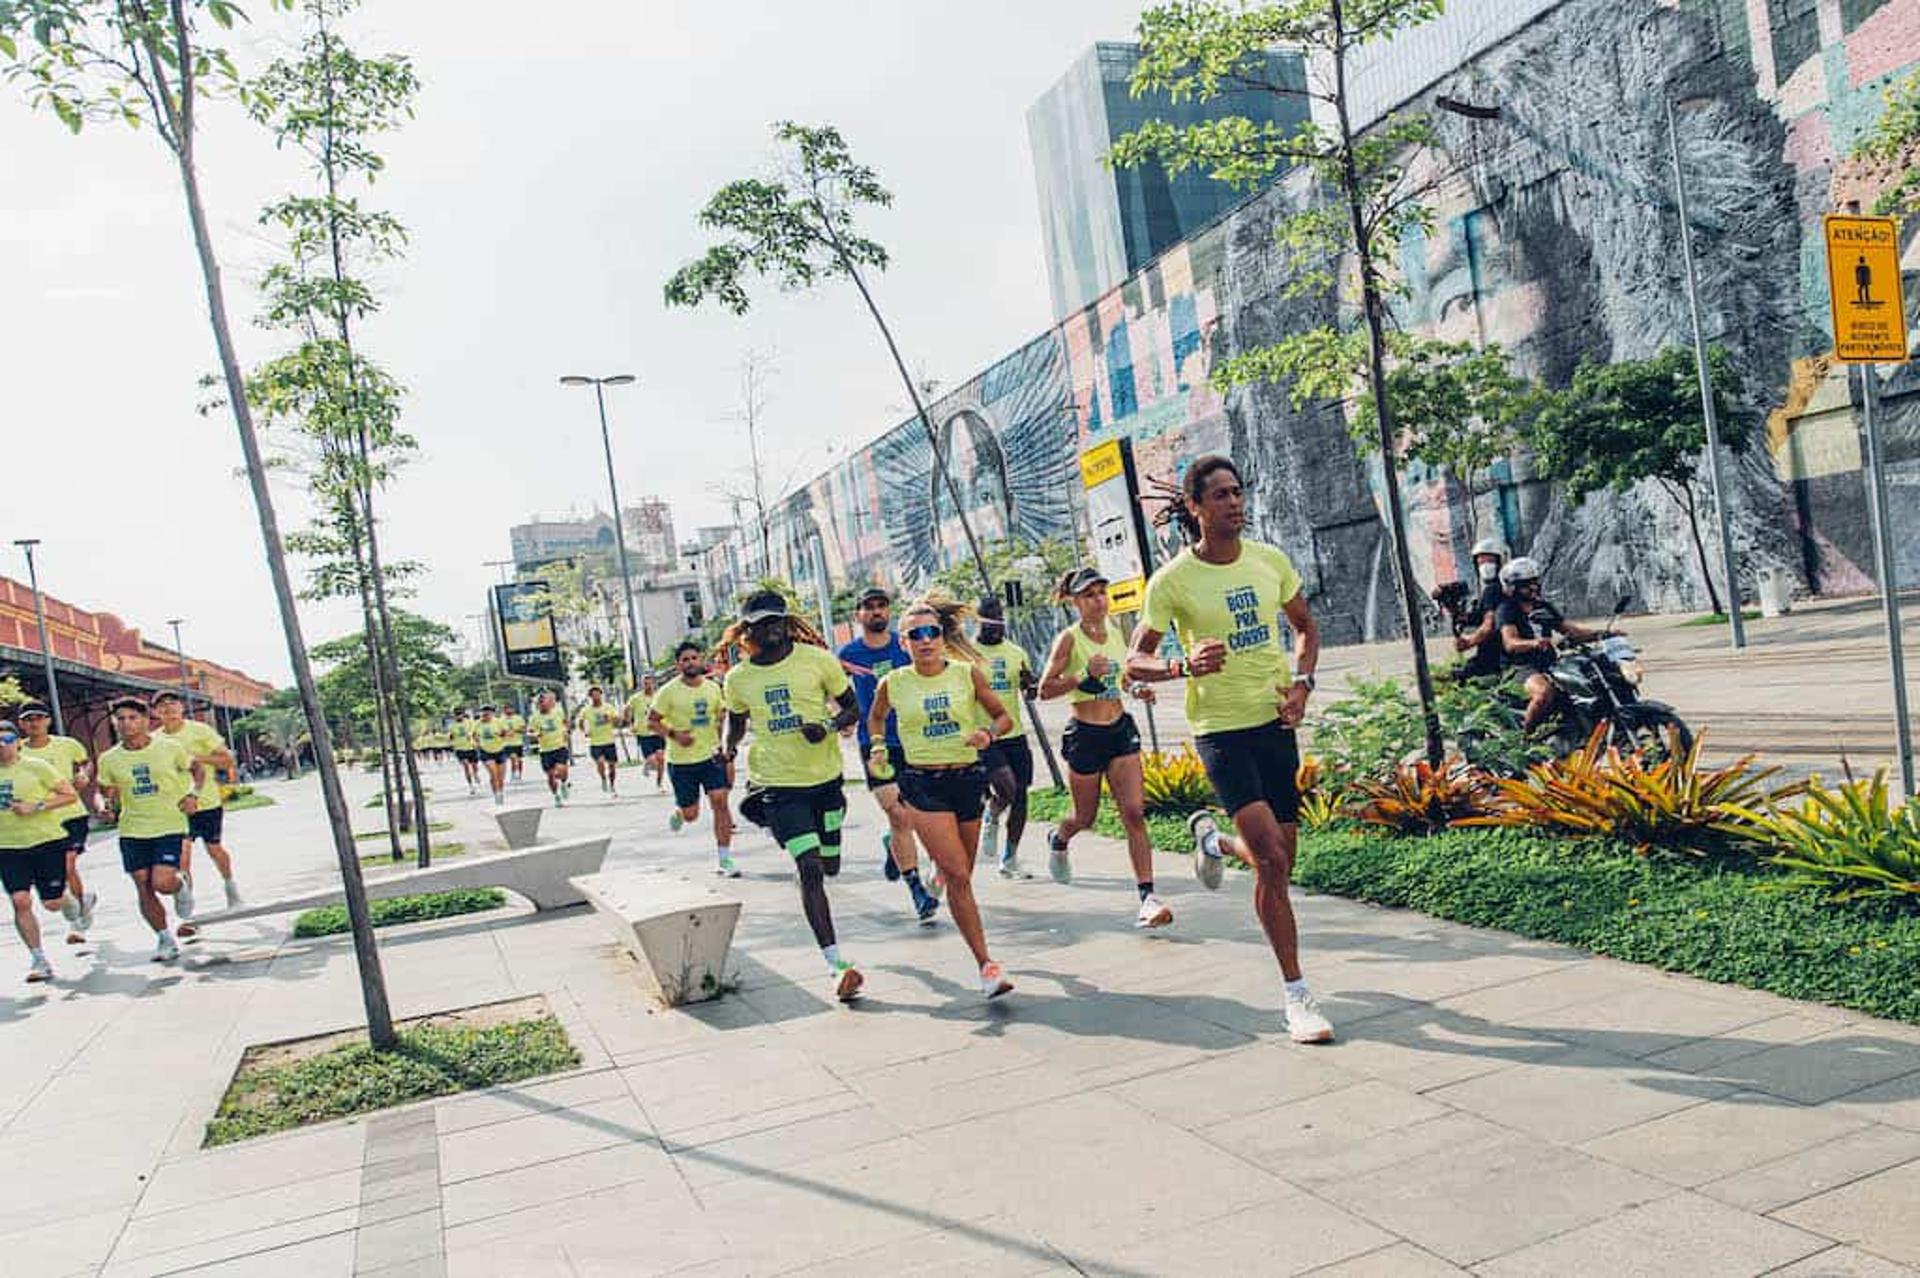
column 873, row 651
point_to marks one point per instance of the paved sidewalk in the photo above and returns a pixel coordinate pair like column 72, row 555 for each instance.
column 1494, row 1105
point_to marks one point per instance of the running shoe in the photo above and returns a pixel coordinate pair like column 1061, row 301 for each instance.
column 183, row 899
column 558, row 802
column 727, row 869
column 887, row 866
column 1057, row 863
column 847, row 981
column 989, row 831
column 87, row 901
column 39, row 970
column 935, row 888
column 1010, row 868
column 233, row 893
column 925, row 906
column 1153, row 913
column 1208, row 865
column 165, row 948
column 1305, row 1021
column 675, row 821
column 70, row 909
column 993, row 981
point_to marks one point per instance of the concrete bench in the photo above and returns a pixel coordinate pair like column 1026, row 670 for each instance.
column 520, row 827
column 680, row 931
column 543, row 874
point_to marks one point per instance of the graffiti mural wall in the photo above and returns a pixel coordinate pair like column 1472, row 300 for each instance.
column 1555, row 235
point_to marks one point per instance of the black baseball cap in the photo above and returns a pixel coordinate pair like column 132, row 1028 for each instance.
column 873, row 593
column 990, row 608
column 31, row 708
column 1084, row 577
column 763, row 605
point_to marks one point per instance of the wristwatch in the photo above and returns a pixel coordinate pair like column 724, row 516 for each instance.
column 1305, row 680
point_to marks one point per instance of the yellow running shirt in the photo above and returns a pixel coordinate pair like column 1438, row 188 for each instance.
column 489, row 735
column 198, row 739
column 149, row 784
column 935, row 713
column 461, row 734
column 599, row 722
column 1115, row 650
column 685, row 708
column 64, row 753
column 29, row 780
column 549, row 729
column 1004, row 663
column 516, row 729
column 1239, row 604
column 801, row 688
column 638, row 706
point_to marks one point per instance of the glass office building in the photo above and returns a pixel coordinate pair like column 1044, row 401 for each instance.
column 1102, row 225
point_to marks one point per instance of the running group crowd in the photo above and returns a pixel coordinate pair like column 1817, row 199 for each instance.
column 938, row 718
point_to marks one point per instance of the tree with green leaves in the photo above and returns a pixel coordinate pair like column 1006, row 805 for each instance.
column 425, row 653
column 281, row 729
column 331, row 104
column 602, row 663
column 1618, row 425
column 799, row 229
column 1894, row 143
column 151, row 63
column 1338, row 247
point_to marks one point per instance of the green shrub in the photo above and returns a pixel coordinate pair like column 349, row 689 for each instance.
column 1366, row 734
column 330, row 920
column 1852, row 843
column 430, row 1060
column 1422, row 799
column 1175, row 781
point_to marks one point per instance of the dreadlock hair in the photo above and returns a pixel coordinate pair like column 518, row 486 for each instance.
column 952, row 614
column 735, row 636
column 1179, row 502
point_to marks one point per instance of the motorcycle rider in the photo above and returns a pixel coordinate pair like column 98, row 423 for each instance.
column 1483, row 639
column 1528, row 624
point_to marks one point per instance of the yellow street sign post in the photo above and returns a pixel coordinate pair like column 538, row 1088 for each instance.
column 1870, row 327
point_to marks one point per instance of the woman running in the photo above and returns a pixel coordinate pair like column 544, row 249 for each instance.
column 1086, row 666
column 940, row 703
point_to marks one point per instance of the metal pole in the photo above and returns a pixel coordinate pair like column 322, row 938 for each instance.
column 634, row 638
column 180, row 651
column 1736, row 623
column 46, row 646
column 1887, row 570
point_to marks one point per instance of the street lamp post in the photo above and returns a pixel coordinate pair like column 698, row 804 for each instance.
column 46, row 647
column 180, row 652
column 599, row 385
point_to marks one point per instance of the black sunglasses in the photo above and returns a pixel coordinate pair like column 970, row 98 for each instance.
column 923, row 633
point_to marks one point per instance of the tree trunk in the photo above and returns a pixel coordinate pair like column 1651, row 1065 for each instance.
column 1687, row 503
column 373, row 985
column 1373, row 304
column 389, row 780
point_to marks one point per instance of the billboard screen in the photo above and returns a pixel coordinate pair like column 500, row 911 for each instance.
column 529, row 647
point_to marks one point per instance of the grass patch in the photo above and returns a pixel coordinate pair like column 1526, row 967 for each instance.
column 241, row 802
column 1718, row 618
column 330, row 920
column 433, row 827
column 440, row 851
column 277, row 1089
column 1736, row 923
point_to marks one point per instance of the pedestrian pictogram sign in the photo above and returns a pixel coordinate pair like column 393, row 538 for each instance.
column 1863, row 279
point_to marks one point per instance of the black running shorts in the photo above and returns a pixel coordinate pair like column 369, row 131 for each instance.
column 206, row 825
column 1089, row 747
column 43, row 867
column 1013, row 754
column 1254, row 765
column 961, row 791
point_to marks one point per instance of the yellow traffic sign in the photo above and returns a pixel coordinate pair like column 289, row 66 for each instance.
column 1863, row 279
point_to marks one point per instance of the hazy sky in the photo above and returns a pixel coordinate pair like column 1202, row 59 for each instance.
column 550, row 183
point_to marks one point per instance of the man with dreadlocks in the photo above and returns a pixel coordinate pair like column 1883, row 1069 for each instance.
column 796, row 696
column 1224, row 596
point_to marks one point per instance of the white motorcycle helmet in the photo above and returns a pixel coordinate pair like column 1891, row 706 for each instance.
column 1519, row 570
column 1488, row 546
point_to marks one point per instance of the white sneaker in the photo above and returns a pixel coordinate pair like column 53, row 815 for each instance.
column 1153, row 913
column 1208, row 865
column 87, row 901
column 1305, row 1021
column 39, row 970
column 165, row 948
column 993, row 981
column 675, row 821
column 989, row 831
column 183, row 899
column 726, row 869
column 233, row 893
column 1057, row 863
column 70, row 909
column 1010, row 868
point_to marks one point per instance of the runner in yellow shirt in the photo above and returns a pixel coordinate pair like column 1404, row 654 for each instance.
column 1225, row 598
column 152, row 784
column 516, row 729
column 71, row 762
column 553, row 739
column 652, row 746
column 34, row 798
column 207, row 748
column 460, row 732
column 1009, row 760
column 601, row 722
column 687, row 714
column 490, row 739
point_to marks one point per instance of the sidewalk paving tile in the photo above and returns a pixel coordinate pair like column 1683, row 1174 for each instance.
column 238, row 1213
column 1843, row 1262
column 1304, row 1132
column 1817, row 1169
column 1819, row 1069
column 1721, row 1138
column 1233, row 1083
column 539, row 1138
column 1682, row 1234
column 1875, row 1213
column 1291, row 1234
column 1402, row 1260
column 1579, row 1094
column 803, row 1140
column 250, row 1245
column 554, row 1180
